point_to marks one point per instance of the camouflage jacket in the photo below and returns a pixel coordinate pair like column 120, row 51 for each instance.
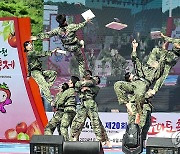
column 67, row 34
column 34, row 62
column 67, row 100
column 172, row 40
column 56, row 100
column 87, row 94
column 95, row 90
column 145, row 71
column 170, row 59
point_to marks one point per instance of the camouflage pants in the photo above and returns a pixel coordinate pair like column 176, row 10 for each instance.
column 88, row 109
column 50, row 76
column 130, row 91
column 76, row 50
column 103, row 132
column 53, row 123
column 145, row 119
column 66, row 121
column 45, row 80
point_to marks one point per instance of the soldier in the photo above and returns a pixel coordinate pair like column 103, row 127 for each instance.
column 44, row 78
column 68, row 101
column 138, row 87
column 67, row 34
column 104, row 56
column 88, row 109
column 147, row 75
column 118, row 63
column 171, row 59
column 57, row 116
column 91, row 58
column 144, row 121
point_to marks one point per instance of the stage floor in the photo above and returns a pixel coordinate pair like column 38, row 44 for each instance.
column 14, row 148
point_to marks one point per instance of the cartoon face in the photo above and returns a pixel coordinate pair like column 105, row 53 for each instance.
column 3, row 96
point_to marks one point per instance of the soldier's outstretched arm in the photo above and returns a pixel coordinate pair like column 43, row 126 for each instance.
column 75, row 27
column 42, row 53
column 41, row 36
column 136, row 61
column 88, row 83
column 169, row 39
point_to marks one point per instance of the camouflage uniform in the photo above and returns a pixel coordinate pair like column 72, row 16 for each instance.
column 68, row 102
column 69, row 40
column 104, row 56
column 167, row 60
column 104, row 137
column 145, row 118
column 44, row 78
column 88, row 109
column 94, row 91
column 56, row 119
column 172, row 40
column 170, row 59
column 146, row 76
column 53, row 123
column 118, row 64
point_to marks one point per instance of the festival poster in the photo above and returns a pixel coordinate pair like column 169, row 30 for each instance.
column 18, row 120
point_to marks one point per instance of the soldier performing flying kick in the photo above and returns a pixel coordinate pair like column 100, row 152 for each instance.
column 139, row 87
column 67, row 34
column 44, row 78
column 170, row 59
column 154, row 73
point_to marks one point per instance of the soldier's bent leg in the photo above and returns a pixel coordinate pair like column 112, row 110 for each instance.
column 78, row 123
column 65, row 123
column 79, row 57
column 145, row 120
column 96, row 125
column 43, row 85
column 122, row 89
column 51, row 76
column 52, row 124
column 132, row 115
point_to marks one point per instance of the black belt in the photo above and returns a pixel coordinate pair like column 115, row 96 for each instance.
column 62, row 110
column 71, row 43
column 70, row 106
column 86, row 99
column 36, row 69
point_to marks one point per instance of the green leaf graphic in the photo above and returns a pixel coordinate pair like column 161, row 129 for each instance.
column 5, row 23
column 6, row 32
